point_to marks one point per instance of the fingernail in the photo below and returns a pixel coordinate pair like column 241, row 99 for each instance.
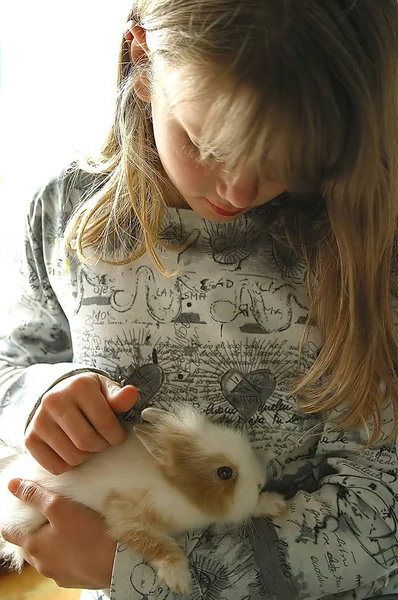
column 14, row 485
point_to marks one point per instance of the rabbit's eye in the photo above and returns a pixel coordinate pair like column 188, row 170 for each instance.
column 225, row 473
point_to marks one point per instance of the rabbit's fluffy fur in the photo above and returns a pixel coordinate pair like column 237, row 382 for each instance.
column 177, row 472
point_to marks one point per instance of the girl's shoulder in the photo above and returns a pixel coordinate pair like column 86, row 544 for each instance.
column 61, row 194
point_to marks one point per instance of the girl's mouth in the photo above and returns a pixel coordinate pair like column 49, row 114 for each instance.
column 222, row 212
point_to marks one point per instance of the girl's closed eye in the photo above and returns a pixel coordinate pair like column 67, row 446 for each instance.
column 189, row 148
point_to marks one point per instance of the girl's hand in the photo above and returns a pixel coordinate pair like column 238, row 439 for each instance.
column 73, row 548
column 76, row 418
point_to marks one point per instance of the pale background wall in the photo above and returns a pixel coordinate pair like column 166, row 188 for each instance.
column 58, row 68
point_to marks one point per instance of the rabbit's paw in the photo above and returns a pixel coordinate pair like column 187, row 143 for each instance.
column 175, row 575
column 270, row 504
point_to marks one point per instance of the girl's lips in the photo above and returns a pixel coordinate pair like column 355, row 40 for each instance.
column 222, row 212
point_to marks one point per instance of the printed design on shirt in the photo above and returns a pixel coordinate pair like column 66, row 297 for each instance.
column 245, row 383
column 342, row 525
column 273, row 562
column 273, row 308
column 376, row 532
column 364, row 506
column 236, row 382
column 53, row 230
column 264, row 306
column 31, row 337
column 219, row 563
column 231, row 243
column 288, row 261
column 143, row 581
column 148, row 379
column 175, row 236
column 163, row 303
column 246, row 392
column 257, row 304
column 284, row 481
column 37, row 293
column 15, row 394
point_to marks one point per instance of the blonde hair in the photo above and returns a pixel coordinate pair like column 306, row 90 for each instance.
column 323, row 84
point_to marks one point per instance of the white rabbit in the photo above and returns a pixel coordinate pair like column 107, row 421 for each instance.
column 179, row 472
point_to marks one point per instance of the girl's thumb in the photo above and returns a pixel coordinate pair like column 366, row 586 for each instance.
column 120, row 399
column 31, row 493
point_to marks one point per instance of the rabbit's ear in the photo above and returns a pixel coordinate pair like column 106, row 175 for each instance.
column 153, row 441
column 154, row 415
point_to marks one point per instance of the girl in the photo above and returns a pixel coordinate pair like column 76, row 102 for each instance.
column 232, row 246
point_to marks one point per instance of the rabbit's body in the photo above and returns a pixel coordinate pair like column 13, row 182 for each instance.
column 162, row 481
column 91, row 483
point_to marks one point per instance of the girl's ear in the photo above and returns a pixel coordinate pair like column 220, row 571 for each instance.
column 135, row 35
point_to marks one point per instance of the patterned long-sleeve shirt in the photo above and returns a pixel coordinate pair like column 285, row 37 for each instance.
column 223, row 333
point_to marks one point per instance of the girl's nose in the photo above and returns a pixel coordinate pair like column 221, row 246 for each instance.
column 240, row 191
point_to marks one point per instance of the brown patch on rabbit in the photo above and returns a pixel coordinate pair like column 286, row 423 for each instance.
column 184, row 464
column 196, row 475
column 134, row 508
column 144, row 533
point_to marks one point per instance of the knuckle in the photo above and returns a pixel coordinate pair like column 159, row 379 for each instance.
column 118, row 438
column 31, row 439
column 46, row 571
column 31, row 546
column 88, row 445
column 83, row 383
column 104, row 423
column 56, row 469
column 54, row 504
column 74, row 461
column 28, row 493
column 50, row 401
column 82, row 445
column 73, row 386
column 113, row 432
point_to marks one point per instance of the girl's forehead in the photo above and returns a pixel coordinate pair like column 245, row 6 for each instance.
column 192, row 107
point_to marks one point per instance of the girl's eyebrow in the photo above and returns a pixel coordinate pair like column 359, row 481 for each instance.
column 188, row 127
column 195, row 141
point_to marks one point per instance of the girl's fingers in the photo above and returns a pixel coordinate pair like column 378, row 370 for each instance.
column 61, row 444
column 79, row 428
column 104, row 420
column 122, row 399
column 46, row 457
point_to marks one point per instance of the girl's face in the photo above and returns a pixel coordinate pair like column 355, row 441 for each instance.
column 205, row 187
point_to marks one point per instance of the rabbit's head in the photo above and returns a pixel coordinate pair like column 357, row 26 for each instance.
column 212, row 465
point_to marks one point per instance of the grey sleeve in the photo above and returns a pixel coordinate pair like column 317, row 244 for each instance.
column 339, row 537
column 35, row 342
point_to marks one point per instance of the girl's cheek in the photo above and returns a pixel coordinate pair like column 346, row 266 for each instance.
column 188, row 170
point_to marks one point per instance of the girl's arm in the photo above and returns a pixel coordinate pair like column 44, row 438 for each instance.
column 35, row 341
column 341, row 530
